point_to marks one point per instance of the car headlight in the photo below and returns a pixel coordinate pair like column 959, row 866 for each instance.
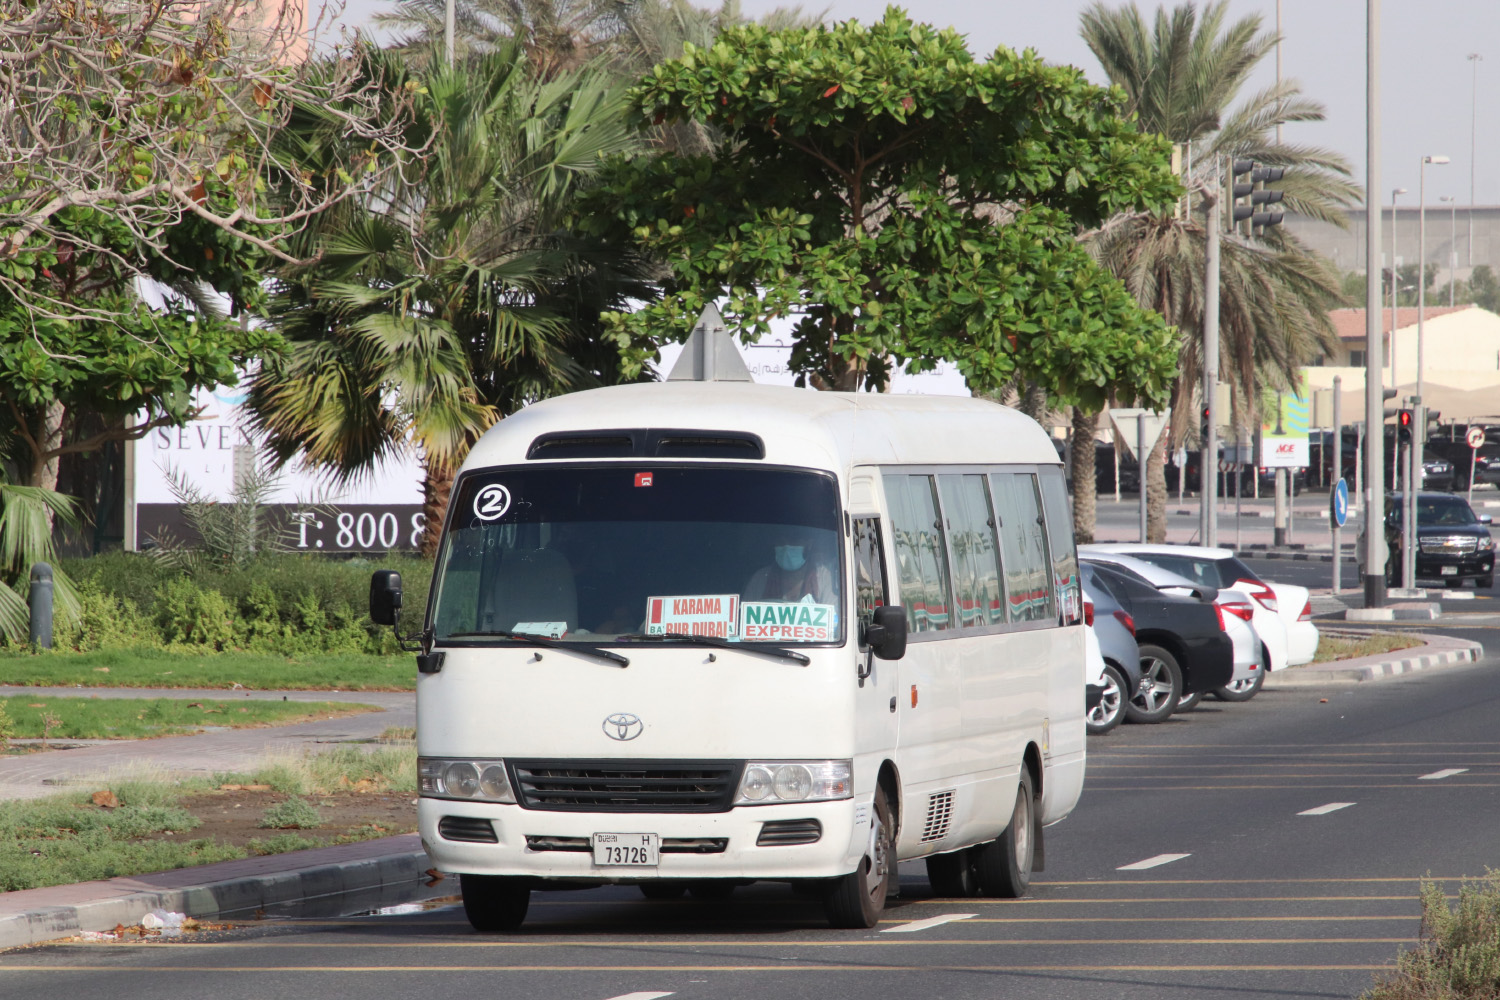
column 767, row 782
column 468, row 780
column 1486, row 543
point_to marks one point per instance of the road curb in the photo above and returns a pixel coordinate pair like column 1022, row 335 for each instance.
column 32, row 916
column 1437, row 651
column 1253, row 552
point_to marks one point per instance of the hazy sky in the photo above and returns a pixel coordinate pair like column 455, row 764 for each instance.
column 1425, row 82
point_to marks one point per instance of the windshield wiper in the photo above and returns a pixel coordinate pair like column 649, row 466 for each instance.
column 544, row 641
column 715, row 641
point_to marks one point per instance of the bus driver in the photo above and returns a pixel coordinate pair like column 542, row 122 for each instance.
column 800, row 571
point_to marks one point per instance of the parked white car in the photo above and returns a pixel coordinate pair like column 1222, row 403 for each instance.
column 1286, row 603
column 1236, row 618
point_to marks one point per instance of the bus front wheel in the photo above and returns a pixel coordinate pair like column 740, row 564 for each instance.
column 494, row 904
column 856, row 900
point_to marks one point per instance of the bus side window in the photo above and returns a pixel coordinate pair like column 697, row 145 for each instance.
column 1060, row 536
column 869, row 572
column 921, row 555
column 1028, row 579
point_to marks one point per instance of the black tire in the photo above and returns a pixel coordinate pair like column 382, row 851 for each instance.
column 1188, row 702
column 954, row 876
column 495, row 904
column 1004, row 863
column 713, row 888
column 1110, row 711
column 1487, row 582
column 662, row 890
column 1160, row 687
column 1242, row 690
column 856, row 900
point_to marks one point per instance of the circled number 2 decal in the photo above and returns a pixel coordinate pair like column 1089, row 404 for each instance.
column 491, row 502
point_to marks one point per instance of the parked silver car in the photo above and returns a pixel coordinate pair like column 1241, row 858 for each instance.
column 1115, row 631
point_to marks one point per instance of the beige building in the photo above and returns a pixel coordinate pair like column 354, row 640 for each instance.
column 1462, row 373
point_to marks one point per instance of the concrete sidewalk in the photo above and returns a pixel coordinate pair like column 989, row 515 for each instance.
column 1436, row 651
column 34, row 775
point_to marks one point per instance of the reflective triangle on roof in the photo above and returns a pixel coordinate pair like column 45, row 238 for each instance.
column 710, row 354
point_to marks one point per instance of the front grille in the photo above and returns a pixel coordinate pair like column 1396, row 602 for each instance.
column 669, row 845
column 786, row 832
column 469, row 829
column 1450, row 545
column 625, row 785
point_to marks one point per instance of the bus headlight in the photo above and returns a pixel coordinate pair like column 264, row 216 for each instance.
column 767, row 782
column 469, row 780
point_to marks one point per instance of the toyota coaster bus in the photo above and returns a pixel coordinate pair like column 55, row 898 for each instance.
column 691, row 634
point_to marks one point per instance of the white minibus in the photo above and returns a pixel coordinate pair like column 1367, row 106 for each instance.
column 692, row 634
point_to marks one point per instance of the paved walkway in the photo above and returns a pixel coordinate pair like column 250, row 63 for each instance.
column 34, row 775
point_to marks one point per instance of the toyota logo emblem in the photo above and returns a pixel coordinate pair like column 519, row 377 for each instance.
column 623, row 726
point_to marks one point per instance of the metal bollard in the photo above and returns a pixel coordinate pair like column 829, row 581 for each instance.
column 41, row 605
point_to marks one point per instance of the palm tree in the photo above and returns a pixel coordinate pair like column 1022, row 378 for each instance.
column 439, row 307
column 26, row 519
column 1181, row 75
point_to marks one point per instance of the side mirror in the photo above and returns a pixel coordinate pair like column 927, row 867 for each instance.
column 886, row 632
column 385, row 597
column 1486, row 519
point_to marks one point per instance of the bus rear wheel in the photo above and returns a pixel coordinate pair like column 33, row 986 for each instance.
column 1004, row 863
column 495, row 904
column 954, row 875
column 856, row 900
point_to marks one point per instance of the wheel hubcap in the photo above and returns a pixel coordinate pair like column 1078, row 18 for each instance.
column 1022, row 820
column 1154, row 686
column 877, row 863
column 1109, row 703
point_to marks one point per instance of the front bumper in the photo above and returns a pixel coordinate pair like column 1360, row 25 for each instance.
column 843, row 841
column 1432, row 566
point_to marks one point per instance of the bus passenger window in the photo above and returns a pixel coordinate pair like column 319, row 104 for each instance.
column 869, row 571
column 921, row 556
column 971, row 536
column 1028, row 579
column 1060, row 541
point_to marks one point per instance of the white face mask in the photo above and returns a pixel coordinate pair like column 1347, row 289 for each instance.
column 789, row 557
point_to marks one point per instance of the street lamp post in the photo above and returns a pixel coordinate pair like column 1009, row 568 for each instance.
column 1452, row 201
column 1474, row 60
column 1395, row 283
column 1374, row 457
column 1419, row 431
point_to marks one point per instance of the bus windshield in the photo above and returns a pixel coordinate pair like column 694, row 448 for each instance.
column 595, row 553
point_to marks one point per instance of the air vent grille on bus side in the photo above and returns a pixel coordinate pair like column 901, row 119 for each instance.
column 647, row 442
column 939, row 815
column 625, row 785
column 469, row 829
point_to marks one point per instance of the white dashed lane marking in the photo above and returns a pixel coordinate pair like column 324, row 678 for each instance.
column 922, row 925
column 1325, row 810
column 640, row 996
column 1160, row 859
column 1445, row 773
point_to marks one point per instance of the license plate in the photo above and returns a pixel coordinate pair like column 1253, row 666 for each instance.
column 1448, row 570
column 640, row 850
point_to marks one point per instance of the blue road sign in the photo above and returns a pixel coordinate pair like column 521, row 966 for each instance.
column 1338, row 504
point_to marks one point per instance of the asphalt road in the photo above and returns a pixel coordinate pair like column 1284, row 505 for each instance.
column 1260, row 899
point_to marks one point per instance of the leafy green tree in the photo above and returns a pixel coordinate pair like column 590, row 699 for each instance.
column 904, row 201
column 1182, row 76
column 432, row 313
column 1484, row 289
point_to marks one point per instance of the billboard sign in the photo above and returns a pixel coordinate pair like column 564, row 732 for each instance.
column 1284, row 427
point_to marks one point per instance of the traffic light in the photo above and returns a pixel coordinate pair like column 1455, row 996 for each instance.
column 1203, row 426
column 1255, row 194
column 1403, row 426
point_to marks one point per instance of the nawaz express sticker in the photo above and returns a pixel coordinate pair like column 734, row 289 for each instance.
column 781, row 621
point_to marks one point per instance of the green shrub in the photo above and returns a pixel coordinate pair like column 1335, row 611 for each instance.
column 291, row 814
column 7, row 727
column 1458, row 954
column 192, row 615
column 105, row 621
column 282, row 843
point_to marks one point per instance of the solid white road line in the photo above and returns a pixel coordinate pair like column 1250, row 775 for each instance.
column 1446, row 773
column 1160, row 859
column 641, row 996
column 922, row 925
column 1325, row 810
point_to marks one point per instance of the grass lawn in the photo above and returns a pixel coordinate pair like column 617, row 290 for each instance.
column 1342, row 647
column 133, row 827
column 165, row 668
column 135, row 718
